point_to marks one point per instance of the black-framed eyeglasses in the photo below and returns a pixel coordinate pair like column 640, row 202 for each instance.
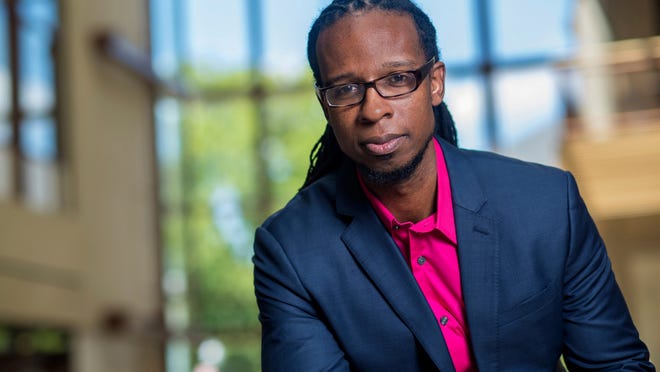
column 389, row 86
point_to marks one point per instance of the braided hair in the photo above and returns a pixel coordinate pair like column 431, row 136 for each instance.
column 326, row 156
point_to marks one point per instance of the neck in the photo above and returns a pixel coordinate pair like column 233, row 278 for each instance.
column 414, row 198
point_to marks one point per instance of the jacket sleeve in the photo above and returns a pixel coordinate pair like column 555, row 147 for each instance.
column 294, row 335
column 598, row 331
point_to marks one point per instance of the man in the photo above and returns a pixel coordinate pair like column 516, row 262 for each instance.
column 404, row 253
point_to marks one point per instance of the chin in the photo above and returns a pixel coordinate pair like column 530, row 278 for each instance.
column 390, row 175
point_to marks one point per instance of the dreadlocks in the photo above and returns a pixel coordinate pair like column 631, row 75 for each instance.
column 326, row 156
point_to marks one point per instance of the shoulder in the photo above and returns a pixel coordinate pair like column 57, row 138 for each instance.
column 310, row 207
column 493, row 165
column 307, row 231
column 502, row 176
column 519, row 194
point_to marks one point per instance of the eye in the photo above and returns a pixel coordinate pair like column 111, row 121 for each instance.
column 347, row 90
column 402, row 79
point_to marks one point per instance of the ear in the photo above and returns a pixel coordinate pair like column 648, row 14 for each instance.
column 437, row 76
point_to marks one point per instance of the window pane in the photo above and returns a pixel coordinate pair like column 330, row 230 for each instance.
column 217, row 218
column 166, row 36
column 296, row 122
column 453, row 21
column 168, row 134
column 464, row 98
column 530, row 113
column 532, row 27
column 6, row 157
column 38, row 131
column 285, row 36
column 38, row 22
column 217, row 38
column 41, row 185
column 38, row 139
column 39, row 168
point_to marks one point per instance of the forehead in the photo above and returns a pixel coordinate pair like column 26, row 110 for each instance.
column 368, row 41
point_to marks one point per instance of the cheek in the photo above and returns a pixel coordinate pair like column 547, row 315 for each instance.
column 341, row 134
column 345, row 138
column 421, row 111
column 341, row 124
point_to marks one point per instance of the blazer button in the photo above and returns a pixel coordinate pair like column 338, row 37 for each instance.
column 421, row 260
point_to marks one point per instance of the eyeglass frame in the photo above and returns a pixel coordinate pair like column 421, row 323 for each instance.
column 420, row 74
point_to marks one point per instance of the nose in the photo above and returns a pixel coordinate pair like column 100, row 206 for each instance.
column 374, row 107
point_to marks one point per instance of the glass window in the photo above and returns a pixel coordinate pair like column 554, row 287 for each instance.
column 530, row 113
column 5, row 74
column 6, row 158
column 465, row 100
column 285, row 38
column 166, row 37
column 232, row 157
column 38, row 22
column 531, row 28
column 219, row 165
column 216, row 35
column 296, row 122
column 36, row 178
column 37, row 99
column 453, row 21
column 37, row 138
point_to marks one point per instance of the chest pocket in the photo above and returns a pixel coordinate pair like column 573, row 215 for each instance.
column 536, row 303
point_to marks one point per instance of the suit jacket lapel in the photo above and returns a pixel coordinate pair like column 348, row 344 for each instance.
column 376, row 253
column 478, row 255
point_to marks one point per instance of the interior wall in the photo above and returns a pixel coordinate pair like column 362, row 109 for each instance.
column 632, row 244
column 92, row 267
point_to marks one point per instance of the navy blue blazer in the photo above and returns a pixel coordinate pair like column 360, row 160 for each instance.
column 335, row 293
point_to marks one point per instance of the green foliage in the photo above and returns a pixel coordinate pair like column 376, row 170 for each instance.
column 296, row 123
column 229, row 145
column 33, row 341
column 5, row 340
column 48, row 341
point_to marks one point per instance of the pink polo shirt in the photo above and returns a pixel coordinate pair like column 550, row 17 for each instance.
column 429, row 247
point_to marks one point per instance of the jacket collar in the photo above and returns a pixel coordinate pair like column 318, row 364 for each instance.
column 466, row 190
column 375, row 251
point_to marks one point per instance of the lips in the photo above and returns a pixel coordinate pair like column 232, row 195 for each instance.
column 382, row 145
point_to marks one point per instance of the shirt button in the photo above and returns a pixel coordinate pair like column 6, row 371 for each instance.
column 396, row 227
column 421, row 260
column 444, row 320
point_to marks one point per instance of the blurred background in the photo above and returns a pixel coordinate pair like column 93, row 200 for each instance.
column 141, row 142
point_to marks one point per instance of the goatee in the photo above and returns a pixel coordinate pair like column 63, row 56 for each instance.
column 397, row 175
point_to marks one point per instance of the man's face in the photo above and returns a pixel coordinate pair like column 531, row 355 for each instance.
column 381, row 134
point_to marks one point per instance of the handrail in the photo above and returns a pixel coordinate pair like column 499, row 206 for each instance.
column 624, row 56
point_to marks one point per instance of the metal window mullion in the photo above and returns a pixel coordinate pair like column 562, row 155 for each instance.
column 57, row 114
column 258, row 97
column 486, row 70
column 16, row 113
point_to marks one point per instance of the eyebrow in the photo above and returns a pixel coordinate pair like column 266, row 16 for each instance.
column 349, row 77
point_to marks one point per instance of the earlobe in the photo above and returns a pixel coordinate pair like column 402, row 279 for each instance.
column 437, row 83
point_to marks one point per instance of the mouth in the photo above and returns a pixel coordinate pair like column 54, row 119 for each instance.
column 382, row 145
